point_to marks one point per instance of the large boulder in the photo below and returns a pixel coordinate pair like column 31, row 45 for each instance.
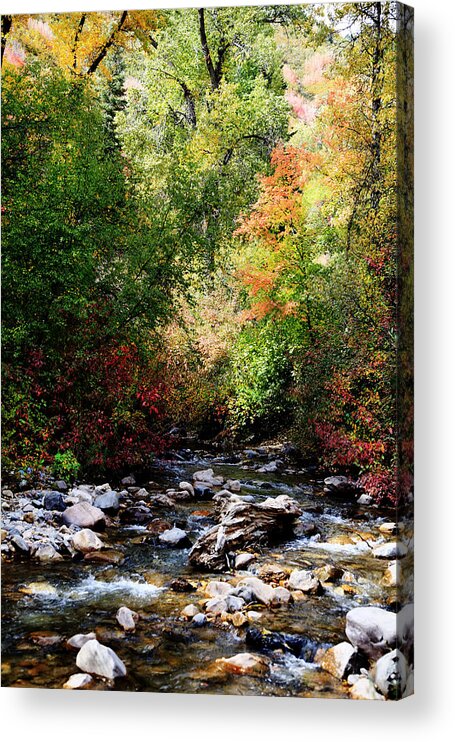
column 84, row 515
column 372, row 630
column 243, row 525
column 97, row 659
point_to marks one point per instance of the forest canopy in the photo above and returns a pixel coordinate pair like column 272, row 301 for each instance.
column 199, row 212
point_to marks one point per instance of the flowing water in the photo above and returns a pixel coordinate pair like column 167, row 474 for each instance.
column 165, row 653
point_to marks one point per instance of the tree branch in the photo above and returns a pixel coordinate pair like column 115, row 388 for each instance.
column 107, row 45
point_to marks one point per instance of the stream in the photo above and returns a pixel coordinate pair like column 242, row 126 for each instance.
column 166, row 653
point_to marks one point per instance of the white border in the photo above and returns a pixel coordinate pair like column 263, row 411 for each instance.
column 58, row 715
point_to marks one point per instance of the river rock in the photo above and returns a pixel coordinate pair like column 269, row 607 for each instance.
column 199, row 620
column 340, row 487
column 97, row 659
column 38, row 588
column 190, row 611
column 243, row 560
column 328, row 573
column 207, row 476
column 363, row 690
column 218, row 589
column 217, row 606
column 244, row 525
column 108, row 502
column 82, row 493
column 304, row 580
column 187, row 487
column 390, row 528
column 365, row 499
column 372, row 630
column 234, row 603
column 175, row 537
column 86, row 541
column 20, row 544
column 78, row 640
column 127, row 618
column 233, row 485
column 101, row 489
column 271, row 467
column 47, row 553
column 244, row 664
column 405, row 623
column 54, row 501
column 341, row 660
column 260, row 592
column 84, row 515
column 392, row 575
column 391, row 674
column 281, row 596
column 78, row 681
column 390, row 550
column 128, row 481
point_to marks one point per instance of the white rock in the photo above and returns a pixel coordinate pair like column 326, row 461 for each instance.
column 340, row 660
column 304, row 580
column 364, row 690
column 244, row 664
column 77, row 681
column 186, row 487
column 390, row 550
column 243, row 560
column 207, row 476
column 97, row 659
column 233, row 485
column 372, row 629
column 218, row 589
column 260, row 591
column 86, row 541
column 127, row 618
column 391, row 674
column 78, row 640
column 392, row 575
column 83, row 515
column 174, row 537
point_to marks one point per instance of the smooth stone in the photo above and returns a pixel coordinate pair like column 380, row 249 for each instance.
column 187, row 487
column 391, row 550
column 218, row 589
column 129, row 481
column 78, row 680
column 244, row 663
column 328, row 573
column 239, row 620
column 38, row 588
column 97, row 659
column 54, row 501
column 47, row 553
column 389, row 528
column 107, row 556
column 392, row 575
column 107, row 501
column 233, row 485
column 101, row 489
column 20, row 544
column 261, row 592
column 234, row 603
column 304, row 580
column 364, row 690
column 365, row 499
column 207, row 476
column 372, row 630
column 84, row 515
column 199, row 620
column 190, row 611
column 86, row 541
column 281, row 596
column 243, row 560
column 127, row 618
column 341, row 660
column 391, row 674
column 78, row 640
column 175, row 537
column 217, row 606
